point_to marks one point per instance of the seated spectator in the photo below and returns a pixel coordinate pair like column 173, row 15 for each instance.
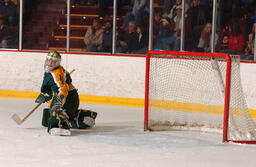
column 250, row 44
column 156, row 24
column 172, row 12
column 7, row 36
column 142, row 41
column 9, row 10
column 177, row 26
column 223, row 44
column 93, row 36
column 205, row 40
column 166, row 39
column 236, row 41
column 140, row 10
column 128, row 41
column 198, row 16
column 163, row 34
column 107, row 38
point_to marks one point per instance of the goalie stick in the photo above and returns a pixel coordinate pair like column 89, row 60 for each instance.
column 19, row 121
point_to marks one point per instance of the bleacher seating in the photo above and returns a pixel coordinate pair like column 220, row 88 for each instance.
column 74, row 32
column 60, row 44
column 38, row 30
column 81, row 18
column 94, row 10
column 47, row 29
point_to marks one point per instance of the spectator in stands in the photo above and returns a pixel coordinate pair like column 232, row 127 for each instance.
column 198, row 16
column 204, row 44
column 9, row 10
column 236, row 41
column 5, row 34
column 140, row 10
column 172, row 12
column 250, row 44
column 223, row 44
column 198, row 13
column 156, row 24
column 107, row 38
column 177, row 27
column 128, row 41
column 93, row 36
column 142, row 41
column 163, row 34
column 165, row 38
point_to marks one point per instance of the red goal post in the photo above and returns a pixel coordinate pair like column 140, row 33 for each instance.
column 190, row 89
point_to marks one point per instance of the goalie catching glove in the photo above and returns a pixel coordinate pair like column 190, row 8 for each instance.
column 42, row 98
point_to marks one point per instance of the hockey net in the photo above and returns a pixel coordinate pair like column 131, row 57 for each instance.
column 197, row 91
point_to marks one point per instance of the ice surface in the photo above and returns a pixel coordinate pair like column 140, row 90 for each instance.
column 118, row 140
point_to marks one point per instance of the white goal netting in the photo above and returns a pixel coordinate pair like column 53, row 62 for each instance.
column 188, row 92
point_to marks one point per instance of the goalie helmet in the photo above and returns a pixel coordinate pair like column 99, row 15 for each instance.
column 52, row 61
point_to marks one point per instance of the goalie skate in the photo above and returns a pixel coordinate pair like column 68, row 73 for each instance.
column 59, row 132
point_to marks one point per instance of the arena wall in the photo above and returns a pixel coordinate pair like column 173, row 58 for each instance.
column 116, row 80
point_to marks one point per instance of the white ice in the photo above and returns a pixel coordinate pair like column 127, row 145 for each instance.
column 117, row 140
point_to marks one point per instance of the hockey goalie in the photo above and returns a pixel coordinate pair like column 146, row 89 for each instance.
column 63, row 100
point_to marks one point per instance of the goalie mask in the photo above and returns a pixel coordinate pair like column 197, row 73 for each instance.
column 52, row 61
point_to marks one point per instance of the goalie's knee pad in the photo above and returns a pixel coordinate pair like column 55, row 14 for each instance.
column 85, row 119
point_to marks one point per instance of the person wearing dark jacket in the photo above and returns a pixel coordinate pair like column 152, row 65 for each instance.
column 128, row 41
column 6, row 34
column 165, row 39
column 143, row 41
column 198, row 15
column 9, row 10
column 107, row 38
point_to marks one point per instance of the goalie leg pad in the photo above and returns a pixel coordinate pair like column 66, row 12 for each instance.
column 58, row 119
column 85, row 119
column 46, row 116
column 89, row 121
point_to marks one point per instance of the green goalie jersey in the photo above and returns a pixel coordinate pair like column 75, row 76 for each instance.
column 58, row 81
